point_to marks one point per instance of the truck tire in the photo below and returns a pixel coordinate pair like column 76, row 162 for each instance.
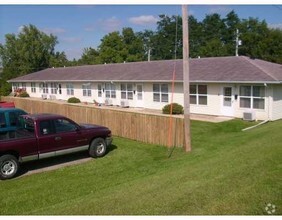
column 97, row 148
column 9, row 166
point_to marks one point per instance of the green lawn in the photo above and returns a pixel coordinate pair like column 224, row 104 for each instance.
column 228, row 172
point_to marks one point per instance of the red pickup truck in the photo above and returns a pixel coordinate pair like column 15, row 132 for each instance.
column 47, row 135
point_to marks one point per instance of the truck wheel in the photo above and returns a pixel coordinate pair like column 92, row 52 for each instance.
column 97, row 148
column 8, row 166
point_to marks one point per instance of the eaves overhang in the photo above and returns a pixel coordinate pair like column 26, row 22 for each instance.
column 146, row 81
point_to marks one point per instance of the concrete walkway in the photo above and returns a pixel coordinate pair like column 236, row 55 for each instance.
column 196, row 117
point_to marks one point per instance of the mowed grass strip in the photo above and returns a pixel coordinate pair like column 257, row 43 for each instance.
column 228, row 172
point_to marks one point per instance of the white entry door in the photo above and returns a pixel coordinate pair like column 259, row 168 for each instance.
column 227, row 101
column 139, row 95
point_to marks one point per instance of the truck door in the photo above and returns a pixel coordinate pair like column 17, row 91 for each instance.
column 68, row 135
column 47, row 142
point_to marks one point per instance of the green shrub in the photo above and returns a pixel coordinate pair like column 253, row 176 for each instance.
column 23, row 94
column 176, row 109
column 73, row 100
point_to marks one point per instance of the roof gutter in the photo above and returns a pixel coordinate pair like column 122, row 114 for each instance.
column 178, row 81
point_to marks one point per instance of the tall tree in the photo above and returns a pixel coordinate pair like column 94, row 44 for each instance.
column 28, row 52
column 273, row 49
column 196, row 37
column 117, row 48
column 213, row 36
column 146, row 36
column 59, row 59
column 133, row 44
column 112, row 48
column 253, row 34
column 89, row 56
column 168, row 38
column 232, row 23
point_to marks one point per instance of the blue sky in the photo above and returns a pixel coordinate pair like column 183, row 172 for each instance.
column 78, row 27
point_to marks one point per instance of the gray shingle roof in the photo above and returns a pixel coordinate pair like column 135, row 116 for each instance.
column 216, row 69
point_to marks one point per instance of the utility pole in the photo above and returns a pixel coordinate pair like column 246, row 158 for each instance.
column 238, row 42
column 186, row 81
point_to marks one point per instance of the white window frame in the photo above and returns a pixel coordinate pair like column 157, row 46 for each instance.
column 45, row 88
column 70, row 89
column 24, row 86
column 33, row 87
column 86, row 89
column 16, row 86
column 126, row 90
column 54, row 87
column 110, row 90
column 252, row 97
column 160, row 92
column 199, row 95
column 100, row 90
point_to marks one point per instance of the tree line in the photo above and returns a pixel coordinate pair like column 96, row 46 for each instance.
column 32, row 50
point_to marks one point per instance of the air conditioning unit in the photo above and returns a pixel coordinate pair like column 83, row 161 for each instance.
column 44, row 96
column 52, row 97
column 108, row 102
column 249, row 116
column 124, row 104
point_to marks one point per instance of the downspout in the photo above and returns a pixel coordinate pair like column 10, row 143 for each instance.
column 263, row 122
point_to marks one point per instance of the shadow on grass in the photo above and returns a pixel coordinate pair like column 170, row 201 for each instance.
column 57, row 162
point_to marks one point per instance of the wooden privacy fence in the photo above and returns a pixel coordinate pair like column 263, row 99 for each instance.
column 145, row 127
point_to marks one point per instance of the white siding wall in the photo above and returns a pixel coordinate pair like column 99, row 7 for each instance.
column 273, row 108
column 148, row 97
column 260, row 114
column 277, row 102
column 213, row 102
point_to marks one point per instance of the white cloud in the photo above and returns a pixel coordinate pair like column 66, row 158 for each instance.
column 90, row 28
column 275, row 26
column 20, row 28
column 143, row 20
column 105, row 25
column 110, row 25
column 53, row 30
column 71, row 39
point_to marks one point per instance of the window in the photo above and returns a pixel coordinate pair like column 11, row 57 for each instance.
column 24, row 86
column 44, row 87
column 110, row 90
column 13, row 118
column 15, row 86
column 86, row 89
column 99, row 90
column 199, row 94
column 70, row 89
column 160, row 92
column 46, row 127
column 63, row 125
column 2, row 120
column 53, row 88
column 252, row 97
column 33, row 87
column 126, row 91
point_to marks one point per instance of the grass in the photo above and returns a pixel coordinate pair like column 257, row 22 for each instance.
column 228, row 172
